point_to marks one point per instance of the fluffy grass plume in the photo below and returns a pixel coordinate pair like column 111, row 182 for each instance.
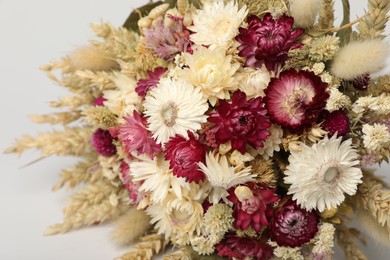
column 91, row 58
column 305, row 12
column 130, row 226
column 359, row 58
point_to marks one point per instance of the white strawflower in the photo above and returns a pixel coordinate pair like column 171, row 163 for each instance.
column 272, row 143
column 157, row 178
column 122, row 100
column 253, row 82
column 210, row 71
column 320, row 175
column 174, row 107
column 337, row 100
column 223, row 176
column 375, row 136
column 217, row 23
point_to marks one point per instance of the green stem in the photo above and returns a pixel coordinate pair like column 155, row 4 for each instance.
column 345, row 34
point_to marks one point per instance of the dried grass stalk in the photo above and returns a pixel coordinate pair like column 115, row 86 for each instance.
column 63, row 118
column 375, row 198
column 100, row 117
column 129, row 227
column 326, row 17
column 346, row 239
column 73, row 102
column 73, row 141
column 91, row 205
column 81, row 172
column 180, row 254
column 149, row 246
column 373, row 25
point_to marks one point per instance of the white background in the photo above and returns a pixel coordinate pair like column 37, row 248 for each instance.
column 31, row 34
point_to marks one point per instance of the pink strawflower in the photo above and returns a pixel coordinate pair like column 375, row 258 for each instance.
column 235, row 247
column 99, row 101
column 268, row 41
column 132, row 187
column 166, row 42
column 293, row 226
column 254, row 211
column 295, row 99
column 143, row 85
column 102, row 142
column 241, row 121
column 335, row 122
column 134, row 136
column 183, row 156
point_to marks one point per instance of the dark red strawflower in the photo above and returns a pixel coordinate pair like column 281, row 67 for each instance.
column 361, row 83
column 295, row 99
column 242, row 122
column 254, row 210
column 268, row 41
column 293, row 226
column 102, row 142
column 132, row 187
column 99, row 101
column 183, row 156
column 134, row 136
column 143, row 85
column 335, row 122
column 241, row 247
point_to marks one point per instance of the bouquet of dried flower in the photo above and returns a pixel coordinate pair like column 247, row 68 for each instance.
column 228, row 129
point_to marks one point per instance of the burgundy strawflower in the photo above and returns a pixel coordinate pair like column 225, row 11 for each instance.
column 241, row 121
column 102, row 142
column 183, row 156
column 268, row 41
column 252, row 206
column 134, row 136
column 241, row 247
column 143, row 85
column 132, row 187
column 165, row 41
column 361, row 83
column 99, row 101
column 295, row 99
column 335, row 122
column 293, row 226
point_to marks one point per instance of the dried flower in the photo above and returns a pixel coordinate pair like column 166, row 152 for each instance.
column 268, row 41
column 102, row 142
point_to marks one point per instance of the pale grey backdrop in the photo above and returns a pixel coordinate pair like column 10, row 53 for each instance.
column 31, row 34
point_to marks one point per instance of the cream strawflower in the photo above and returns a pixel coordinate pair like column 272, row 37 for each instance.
column 320, row 175
column 156, row 177
column 211, row 71
column 217, row 23
column 122, row 100
column 337, row 100
column 174, row 107
column 272, row 143
column 324, row 239
column 253, row 81
column 177, row 215
column 375, row 137
column 223, row 176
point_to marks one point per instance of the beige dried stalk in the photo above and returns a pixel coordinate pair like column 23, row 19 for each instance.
column 100, row 79
column 379, row 86
column 346, row 238
column 73, row 102
column 149, row 246
column 326, row 17
column 375, row 198
column 180, row 254
column 92, row 205
column 73, row 141
column 82, row 172
column 63, row 118
column 100, row 117
column 373, row 25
